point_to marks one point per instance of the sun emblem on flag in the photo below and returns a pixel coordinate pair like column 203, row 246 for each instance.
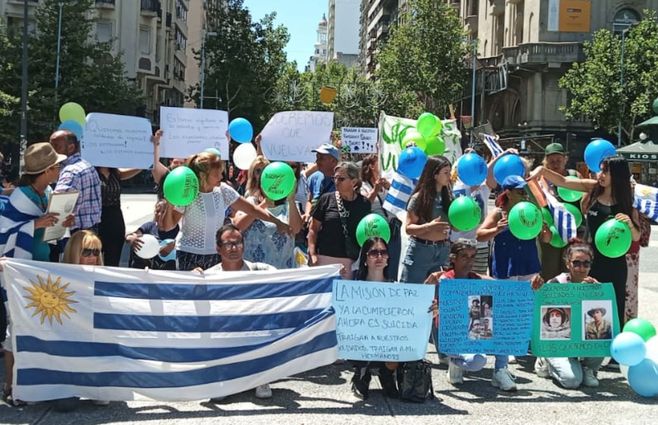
column 50, row 299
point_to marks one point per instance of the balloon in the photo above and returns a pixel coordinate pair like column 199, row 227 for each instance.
column 435, row 146
column 525, row 220
column 172, row 254
column 596, row 151
column 464, row 214
column 642, row 327
column 652, row 349
column 244, row 155
column 643, row 378
column 214, row 151
column 150, row 247
column 508, row 165
column 576, row 213
column 628, row 348
column 613, row 238
column 411, row 162
column 568, row 194
column 372, row 225
column 546, row 215
column 72, row 126
column 426, row 124
column 277, row 180
column 327, row 94
column 472, row 169
column 438, row 128
column 413, row 136
column 72, row 111
column 556, row 239
column 181, row 186
column 240, row 130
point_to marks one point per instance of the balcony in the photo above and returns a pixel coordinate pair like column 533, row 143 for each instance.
column 471, row 24
column 543, row 53
column 105, row 4
column 151, row 7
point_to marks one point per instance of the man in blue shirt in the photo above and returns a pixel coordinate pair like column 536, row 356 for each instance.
column 327, row 157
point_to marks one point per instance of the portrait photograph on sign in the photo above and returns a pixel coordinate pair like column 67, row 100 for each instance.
column 597, row 320
column 480, row 313
column 556, row 322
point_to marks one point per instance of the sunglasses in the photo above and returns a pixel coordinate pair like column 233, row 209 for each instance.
column 88, row 252
column 578, row 263
column 374, row 253
column 231, row 245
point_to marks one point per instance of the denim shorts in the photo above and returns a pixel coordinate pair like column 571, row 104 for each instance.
column 422, row 259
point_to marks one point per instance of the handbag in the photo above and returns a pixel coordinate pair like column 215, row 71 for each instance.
column 415, row 381
column 351, row 249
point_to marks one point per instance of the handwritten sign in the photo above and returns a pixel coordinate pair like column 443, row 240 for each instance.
column 117, row 141
column 292, row 135
column 574, row 320
column 189, row 131
column 485, row 316
column 382, row 321
column 360, row 139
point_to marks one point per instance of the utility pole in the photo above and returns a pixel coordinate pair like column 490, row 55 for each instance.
column 474, row 53
column 23, row 141
column 59, row 47
column 621, row 82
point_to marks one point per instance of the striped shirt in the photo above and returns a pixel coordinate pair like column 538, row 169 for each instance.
column 78, row 174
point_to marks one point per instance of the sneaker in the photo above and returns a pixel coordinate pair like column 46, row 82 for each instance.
column 455, row 373
column 503, row 379
column 541, row 368
column 361, row 382
column 388, row 382
column 264, row 391
column 589, row 378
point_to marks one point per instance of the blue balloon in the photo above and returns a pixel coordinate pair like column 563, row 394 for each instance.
column 241, row 130
column 643, row 378
column 472, row 169
column 596, row 151
column 72, row 126
column 628, row 348
column 508, row 165
column 411, row 162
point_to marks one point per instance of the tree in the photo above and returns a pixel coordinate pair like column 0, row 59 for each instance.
column 594, row 86
column 422, row 63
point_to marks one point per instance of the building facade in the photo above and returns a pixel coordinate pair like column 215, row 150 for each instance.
column 376, row 18
column 343, row 31
column 320, row 47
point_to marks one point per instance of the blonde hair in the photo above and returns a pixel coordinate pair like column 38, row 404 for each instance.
column 253, row 181
column 203, row 163
column 84, row 239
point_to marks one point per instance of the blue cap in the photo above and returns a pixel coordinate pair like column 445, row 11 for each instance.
column 328, row 149
column 514, row 182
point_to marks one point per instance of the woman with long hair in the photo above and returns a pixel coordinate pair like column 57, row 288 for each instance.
column 609, row 196
column 427, row 222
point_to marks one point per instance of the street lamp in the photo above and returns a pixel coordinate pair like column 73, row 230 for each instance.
column 202, row 78
column 621, row 78
column 474, row 53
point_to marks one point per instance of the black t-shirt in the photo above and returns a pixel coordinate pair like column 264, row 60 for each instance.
column 331, row 239
column 156, row 263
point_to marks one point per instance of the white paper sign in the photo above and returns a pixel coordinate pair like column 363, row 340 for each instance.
column 62, row 203
column 117, row 141
column 189, row 131
column 291, row 135
column 360, row 139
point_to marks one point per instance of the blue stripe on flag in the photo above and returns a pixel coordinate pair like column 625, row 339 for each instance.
column 155, row 291
column 402, row 187
column 396, row 202
column 237, row 323
column 42, row 376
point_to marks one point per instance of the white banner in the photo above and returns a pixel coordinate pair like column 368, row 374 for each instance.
column 291, row 135
column 188, row 131
column 117, row 141
column 109, row 333
column 360, row 139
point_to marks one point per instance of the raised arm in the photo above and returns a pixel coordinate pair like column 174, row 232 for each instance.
column 581, row 185
column 159, row 170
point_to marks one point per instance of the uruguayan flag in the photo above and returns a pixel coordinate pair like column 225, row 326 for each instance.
column 646, row 201
column 17, row 225
column 120, row 334
column 565, row 222
column 398, row 194
column 491, row 143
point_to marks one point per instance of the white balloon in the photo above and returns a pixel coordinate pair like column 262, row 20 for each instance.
column 244, row 155
column 652, row 348
column 150, row 247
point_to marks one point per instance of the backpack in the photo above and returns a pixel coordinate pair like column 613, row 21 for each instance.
column 415, row 381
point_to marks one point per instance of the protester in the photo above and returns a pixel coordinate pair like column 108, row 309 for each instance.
column 610, row 195
column 427, row 222
column 202, row 218
column 570, row 372
column 163, row 231
column 321, row 181
column 332, row 233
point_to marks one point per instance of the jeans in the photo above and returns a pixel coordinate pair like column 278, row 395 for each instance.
column 421, row 260
column 568, row 371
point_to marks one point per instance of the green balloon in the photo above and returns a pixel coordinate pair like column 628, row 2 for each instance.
column 546, row 215
column 181, row 186
column 372, row 225
column 413, row 136
column 642, row 327
column 277, row 180
column 613, row 238
column 435, row 146
column 72, row 111
column 556, row 239
column 438, row 127
column 568, row 194
column 576, row 213
column 426, row 124
column 464, row 214
column 525, row 220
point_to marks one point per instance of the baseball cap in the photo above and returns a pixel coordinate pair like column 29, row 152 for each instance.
column 514, row 182
column 328, row 149
column 554, row 148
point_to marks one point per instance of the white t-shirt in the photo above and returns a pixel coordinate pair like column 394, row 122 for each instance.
column 203, row 218
column 481, row 196
column 246, row 266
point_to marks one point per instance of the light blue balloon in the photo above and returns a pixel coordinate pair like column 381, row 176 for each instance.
column 241, row 130
column 596, row 151
column 72, row 126
column 172, row 254
column 472, row 169
column 628, row 348
column 411, row 162
column 508, row 165
column 643, row 378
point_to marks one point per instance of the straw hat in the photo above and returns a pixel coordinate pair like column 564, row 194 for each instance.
column 39, row 157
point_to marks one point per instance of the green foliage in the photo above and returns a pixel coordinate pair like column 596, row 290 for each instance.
column 594, row 86
column 421, row 64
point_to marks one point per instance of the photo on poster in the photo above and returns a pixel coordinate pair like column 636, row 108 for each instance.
column 597, row 319
column 555, row 322
column 480, row 314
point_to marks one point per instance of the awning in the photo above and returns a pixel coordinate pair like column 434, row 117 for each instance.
column 640, row 151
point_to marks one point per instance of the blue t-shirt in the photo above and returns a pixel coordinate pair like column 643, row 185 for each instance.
column 318, row 185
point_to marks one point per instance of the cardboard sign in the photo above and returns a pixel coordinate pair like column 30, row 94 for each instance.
column 574, row 320
column 188, row 131
column 117, row 141
column 359, row 139
column 378, row 321
column 485, row 316
column 292, row 135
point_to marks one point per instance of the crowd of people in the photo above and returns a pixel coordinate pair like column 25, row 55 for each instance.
column 232, row 225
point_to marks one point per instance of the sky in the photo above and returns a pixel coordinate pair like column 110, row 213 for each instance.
column 301, row 17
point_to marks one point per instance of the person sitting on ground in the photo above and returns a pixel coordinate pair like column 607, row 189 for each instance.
column 164, row 229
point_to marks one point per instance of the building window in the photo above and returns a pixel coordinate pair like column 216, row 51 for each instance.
column 181, row 41
column 181, row 11
column 145, row 40
column 624, row 19
column 104, row 31
column 179, row 70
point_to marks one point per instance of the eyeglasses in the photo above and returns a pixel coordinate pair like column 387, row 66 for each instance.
column 88, row 252
column 374, row 253
column 578, row 263
column 231, row 245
